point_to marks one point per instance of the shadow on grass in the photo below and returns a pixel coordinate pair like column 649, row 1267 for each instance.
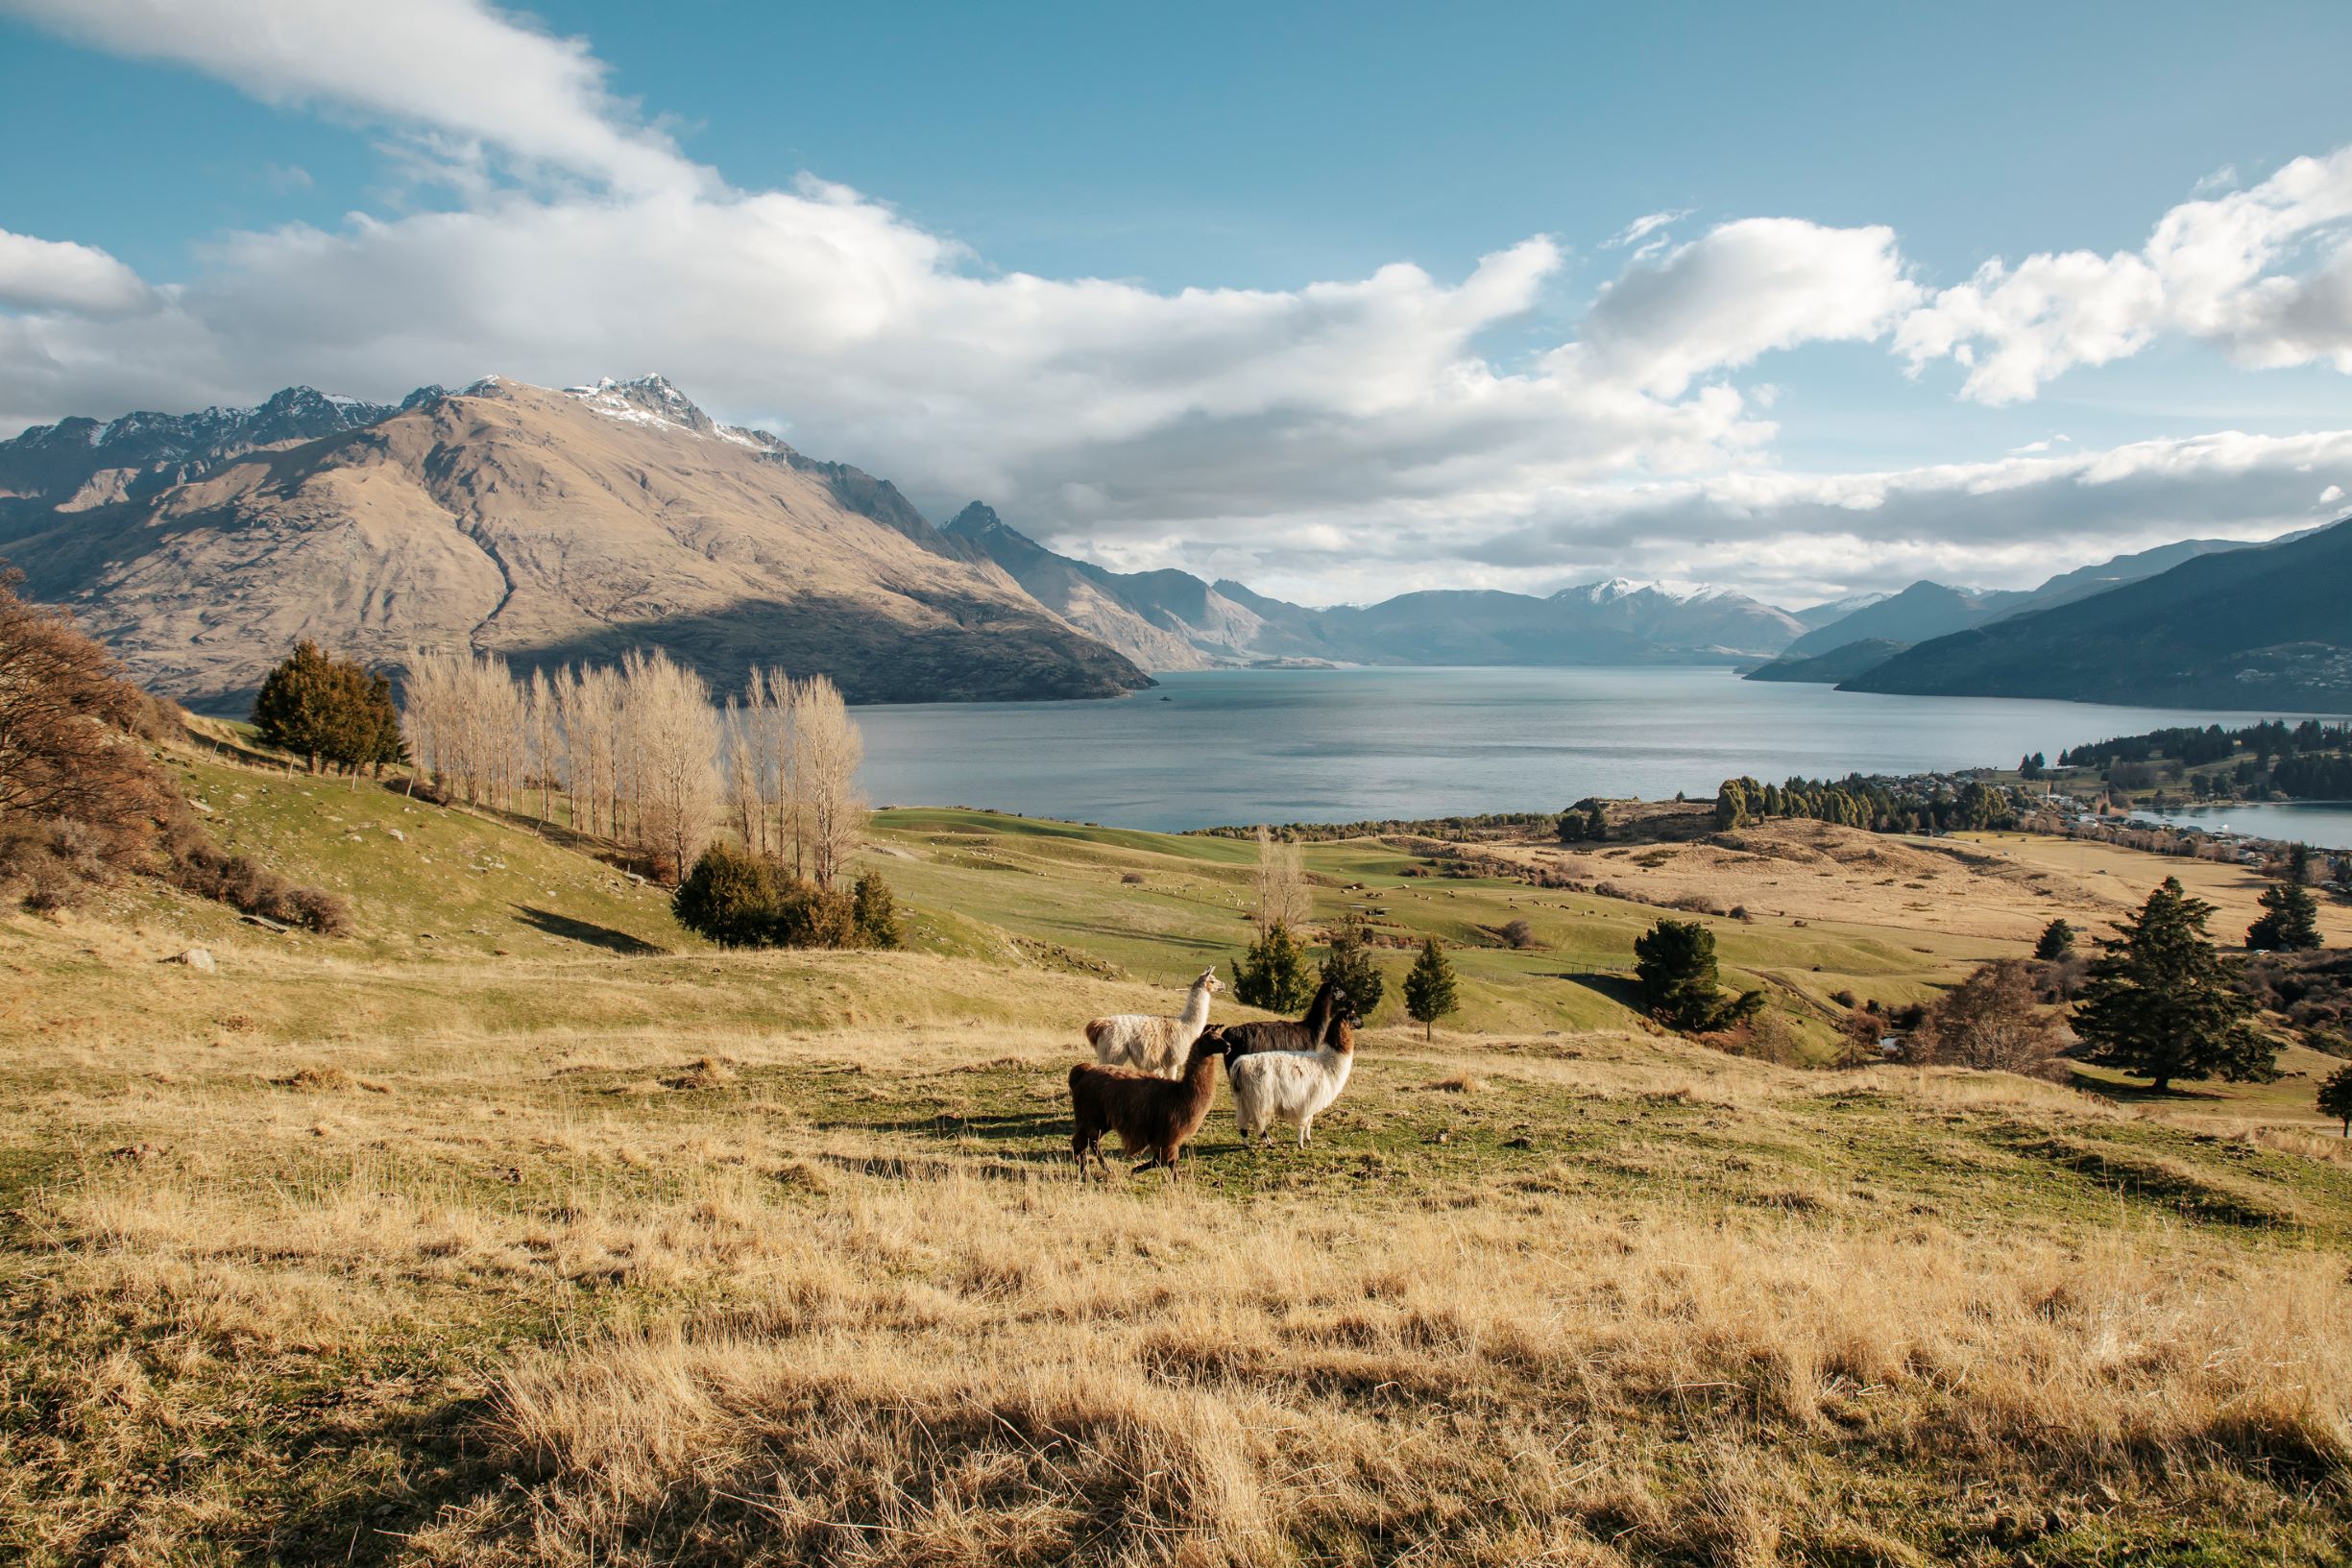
column 2131, row 1093
column 589, row 931
column 1621, row 989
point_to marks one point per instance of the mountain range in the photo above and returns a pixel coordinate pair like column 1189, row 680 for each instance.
column 549, row 526
column 2266, row 627
column 542, row 525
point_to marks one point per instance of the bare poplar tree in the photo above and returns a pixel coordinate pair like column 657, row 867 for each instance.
column 1279, row 885
column 826, row 752
column 547, row 725
column 672, row 741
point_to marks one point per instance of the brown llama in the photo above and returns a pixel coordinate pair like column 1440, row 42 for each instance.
column 1150, row 1114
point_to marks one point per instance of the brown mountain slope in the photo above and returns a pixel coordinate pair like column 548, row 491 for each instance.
column 546, row 525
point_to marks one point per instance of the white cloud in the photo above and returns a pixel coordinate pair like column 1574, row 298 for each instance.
column 1741, row 290
column 2210, row 270
column 57, row 274
column 1346, row 438
column 1643, row 227
column 457, row 68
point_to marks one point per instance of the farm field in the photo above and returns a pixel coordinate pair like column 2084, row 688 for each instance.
column 522, row 1227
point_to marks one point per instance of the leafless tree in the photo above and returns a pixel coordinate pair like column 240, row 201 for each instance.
column 672, row 738
column 547, row 725
column 1991, row 1021
column 827, row 750
column 1280, row 886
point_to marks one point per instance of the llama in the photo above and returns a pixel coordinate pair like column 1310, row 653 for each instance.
column 1149, row 1042
column 1293, row 1086
column 1281, row 1034
column 1148, row 1113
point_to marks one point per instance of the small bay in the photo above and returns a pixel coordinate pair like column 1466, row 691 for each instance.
column 1341, row 746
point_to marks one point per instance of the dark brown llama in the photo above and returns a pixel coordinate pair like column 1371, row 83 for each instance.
column 1150, row 1114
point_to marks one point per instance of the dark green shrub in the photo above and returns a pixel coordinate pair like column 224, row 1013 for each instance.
column 874, row 912
column 1273, row 974
column 732, row 897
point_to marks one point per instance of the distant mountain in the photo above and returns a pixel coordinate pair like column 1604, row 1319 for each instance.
column 1174, row 620
column 2256, row 626
column 1928, row 610
column 542, row 525
column 1822, row 615
column 1160, row 619
column 79, row 464
column 1918, row 612
column 1832, row 667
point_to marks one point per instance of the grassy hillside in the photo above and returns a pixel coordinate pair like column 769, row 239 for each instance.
column 569, row 1241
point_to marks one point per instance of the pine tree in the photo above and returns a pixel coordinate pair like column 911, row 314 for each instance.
column 1273, row 974
column 875, row 911
column 1732, row 805
column 2289, row 922
column 1675, row 961
column 2162, row 1003
column 1350, row 964
column 1429, row 988
column 2336, row 1097
column 2056, row 942
column 328, row 710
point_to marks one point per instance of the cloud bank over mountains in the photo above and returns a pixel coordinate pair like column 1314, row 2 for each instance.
column 1340, row 440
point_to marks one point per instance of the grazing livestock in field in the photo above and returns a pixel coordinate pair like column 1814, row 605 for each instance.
column 1281, row 1034
column 1293, row 1086
column 1150, row 1041
column 1150, row 1114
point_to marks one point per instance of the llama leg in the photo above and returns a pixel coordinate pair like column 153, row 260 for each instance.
column 1306, row 1130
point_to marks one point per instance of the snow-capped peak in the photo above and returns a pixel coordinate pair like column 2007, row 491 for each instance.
column 1626, row 587
column 651, row 399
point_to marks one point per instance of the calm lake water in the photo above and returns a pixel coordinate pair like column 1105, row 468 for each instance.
column 1339, row 745
column 2321, row 824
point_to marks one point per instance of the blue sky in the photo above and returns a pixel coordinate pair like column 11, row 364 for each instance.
column 322, row 200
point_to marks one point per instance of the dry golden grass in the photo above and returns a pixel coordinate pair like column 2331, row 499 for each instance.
column 830, row 1295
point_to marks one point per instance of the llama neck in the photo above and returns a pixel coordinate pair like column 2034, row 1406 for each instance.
column 1340, row 1037
column 1319, row 1016
column 1200, row 1078
column 1197, row 1006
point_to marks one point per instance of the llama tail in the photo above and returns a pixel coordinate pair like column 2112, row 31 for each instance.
column 1095, row 1028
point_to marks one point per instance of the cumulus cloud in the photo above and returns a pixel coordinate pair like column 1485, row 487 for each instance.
column 57, row 274
column 452, row 68
column 1342, row 439
column 2007, row 522
column 1743, row 289
column 2222, row 269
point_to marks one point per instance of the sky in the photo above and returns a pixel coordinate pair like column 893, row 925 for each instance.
column 1338, row 300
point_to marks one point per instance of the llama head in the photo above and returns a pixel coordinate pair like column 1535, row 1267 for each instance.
column 1209, row 982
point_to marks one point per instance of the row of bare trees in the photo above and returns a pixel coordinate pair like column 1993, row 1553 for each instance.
column 791, row 762
column 643, row 755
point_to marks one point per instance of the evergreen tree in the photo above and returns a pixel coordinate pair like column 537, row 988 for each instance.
column 331, row 710
column 1675, row 961
column 1273, row 974
column 1596, row 824
column 2162, row 1003
column 1429, row 988
column 2289, row 922
column 2056, row 942
column 1732, row 805
column 2336, row 1097
column 1350, row 964
column 874, row 912
column 732, row 896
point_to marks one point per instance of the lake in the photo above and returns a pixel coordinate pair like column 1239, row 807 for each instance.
column 2321, row 824
column 1209, row 747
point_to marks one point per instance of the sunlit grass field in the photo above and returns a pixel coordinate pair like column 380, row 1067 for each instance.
column 522, row 1227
